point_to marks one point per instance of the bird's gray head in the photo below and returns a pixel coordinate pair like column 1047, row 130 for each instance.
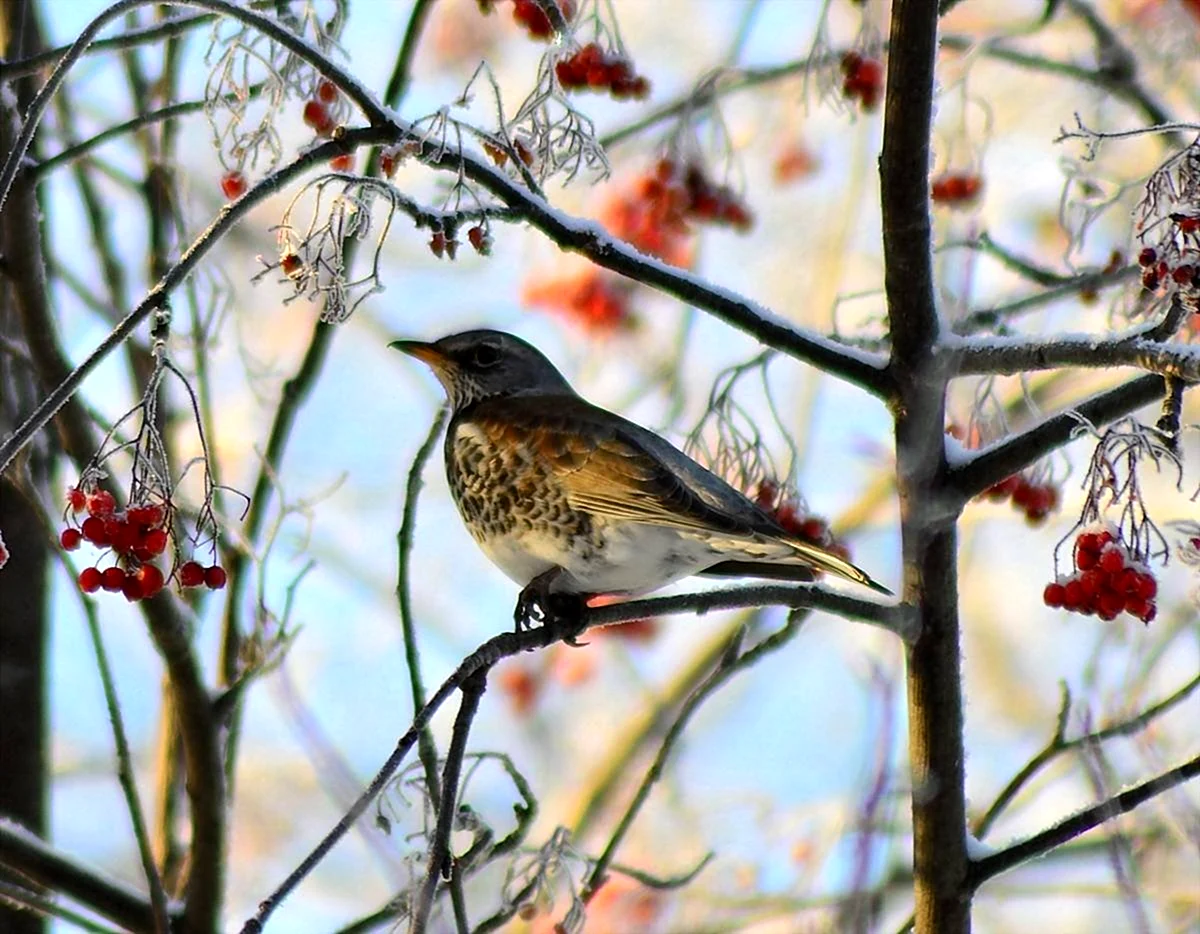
column 476, row 365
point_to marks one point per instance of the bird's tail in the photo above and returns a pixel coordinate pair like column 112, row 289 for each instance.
column 796, row 563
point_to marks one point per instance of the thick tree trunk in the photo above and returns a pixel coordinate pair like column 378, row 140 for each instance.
column 24, row 624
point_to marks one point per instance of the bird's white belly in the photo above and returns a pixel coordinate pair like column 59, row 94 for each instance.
column 633, row 559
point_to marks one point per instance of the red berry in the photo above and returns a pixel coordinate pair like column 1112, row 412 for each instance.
column 89, row 580
column 814, row 529
column 151, row 579
column 1054, row 595
column 342, row 163
column 215, row 577
column 101, row 503
column 1151, row 612
column 1004, row 489
column 788, row 517
column 1089, row 541
column 1093, row 582
column 191, row 574
column 1147, row 257
column 131, row 586
column 112, row 579
column 1149, row 280
column 480, row 239
column 1086, row 559
column 1073, row 595
column 144, row 517
column 316, row 115
column 76, row 499
column 1135, row 605
column 768, row 491
column 233, row 184
column 1112, row 561
column 1109, row 605
column 437, row 244
column 327, row 91
column 122, row 536
column 70, row 539
column 291, row 264
column 1184, row 274
column 1147, row 587
column 155, row 541
column 94, row 531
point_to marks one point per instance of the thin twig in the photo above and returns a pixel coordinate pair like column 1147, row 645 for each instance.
column 732, row 661
column 439, row 856
column 1069, row 828
column 1058, row 744
column 412, row 655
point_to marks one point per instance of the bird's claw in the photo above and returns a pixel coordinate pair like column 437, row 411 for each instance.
column 561, row 611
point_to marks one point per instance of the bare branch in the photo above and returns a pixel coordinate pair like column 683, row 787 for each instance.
column 1068, row 829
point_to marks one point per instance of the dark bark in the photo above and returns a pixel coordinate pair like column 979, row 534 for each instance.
column 24, row 744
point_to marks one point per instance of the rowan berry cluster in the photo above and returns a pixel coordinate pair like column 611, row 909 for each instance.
column 1107, row 580
column 1157, row 271
column 528, row 13
column 322, row 111
column 862, row 80
column 593, row 67
column 1036, row 499
column 956, row 189
column 596, row 299
column 443, row 244
column 136, row 536
column 678, row 192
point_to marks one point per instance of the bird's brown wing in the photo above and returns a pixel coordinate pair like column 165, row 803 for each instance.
column 611, row 467
column 600, row 463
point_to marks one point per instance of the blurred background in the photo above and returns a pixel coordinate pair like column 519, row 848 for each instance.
column 793, row 775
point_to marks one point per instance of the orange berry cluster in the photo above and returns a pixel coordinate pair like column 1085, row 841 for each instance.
column 592, row 67
column 956, row 188
column 1156, row 271
column 1036, row 500
column 1106, row 581
column 862, row 79
column 530, row 15
column 596, row 299
column 137, row 536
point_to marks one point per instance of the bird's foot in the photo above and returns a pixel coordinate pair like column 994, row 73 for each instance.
column 562, row 612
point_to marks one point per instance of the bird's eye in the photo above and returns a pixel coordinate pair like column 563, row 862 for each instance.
column 485, row 355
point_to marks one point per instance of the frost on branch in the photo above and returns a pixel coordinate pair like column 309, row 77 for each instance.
column 251, row 77
column 1168, row 227
column 342, row 208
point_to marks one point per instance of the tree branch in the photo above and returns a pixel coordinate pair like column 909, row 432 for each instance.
column 35, row 859
column 1068, row 829
column 990, row 465
column 1009, row 355
column 1058, row 745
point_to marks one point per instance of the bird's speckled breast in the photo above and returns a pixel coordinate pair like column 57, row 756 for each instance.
column 505, row 490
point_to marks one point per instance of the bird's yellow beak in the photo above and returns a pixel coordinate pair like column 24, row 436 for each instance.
column 426, row 353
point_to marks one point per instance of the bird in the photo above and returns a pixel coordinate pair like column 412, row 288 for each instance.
column 572, row 501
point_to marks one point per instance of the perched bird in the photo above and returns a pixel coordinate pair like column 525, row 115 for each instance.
column 569, row 499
